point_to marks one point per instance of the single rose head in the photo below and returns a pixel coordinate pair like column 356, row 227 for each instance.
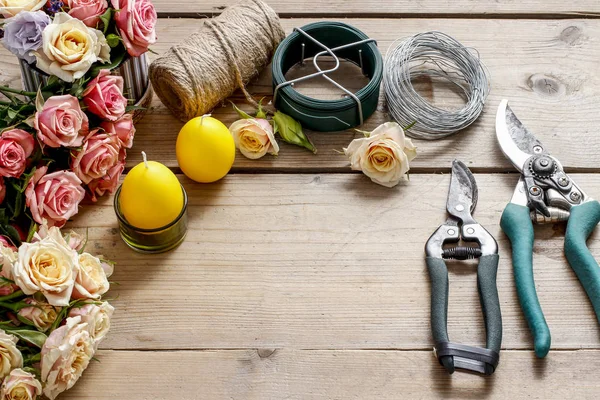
column 10, row 356
column 104, row 96
column 98, row 317
column 123, row 128
column 20, row 385
column 61, row 122
column 16, row 146
column 65, row 355
column 107, row 184
column 88, row 11
column 70, row 48
column 49, row 266
column 23, row 33
column 91, row 282
column 254, row 138
column 136, row 21
column 54, row 197
column 99, row 154
column 384, row 156
column 10, row 8
column 41, row 314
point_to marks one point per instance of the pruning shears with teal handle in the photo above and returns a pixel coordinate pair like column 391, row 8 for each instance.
column 460, row 225
column 544, row 194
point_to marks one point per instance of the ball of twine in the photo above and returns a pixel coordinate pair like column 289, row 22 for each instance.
column 433, row 54
column 195, row 76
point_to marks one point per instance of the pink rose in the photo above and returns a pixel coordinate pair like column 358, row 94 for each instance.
column 99, row 154
column 16, row 146
column 123, row 128
column 88, row 11
column 108, row 183
column 61, row 122
column 136, row 20
column 2, row 190
column 104, row 96
column 54, row 197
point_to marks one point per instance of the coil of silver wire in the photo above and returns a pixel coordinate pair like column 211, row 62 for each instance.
column 433, row 55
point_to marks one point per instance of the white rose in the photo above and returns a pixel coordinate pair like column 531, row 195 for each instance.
column 20, row 385
column 48, row 266
column 10, row 8
column 91, row 282
column 70, row 48
column 98, row 317
column 384, row 156
column 65, row 355
column 10, row 356
column 254, row 138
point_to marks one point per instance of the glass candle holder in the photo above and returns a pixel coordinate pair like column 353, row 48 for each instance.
column 153, row 241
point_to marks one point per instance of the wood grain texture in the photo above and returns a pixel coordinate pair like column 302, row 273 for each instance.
column 202, row 8
column 328, row 261
column 547, row 68
column 305, row 375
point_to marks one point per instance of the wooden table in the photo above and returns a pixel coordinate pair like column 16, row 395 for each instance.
column 302, row 280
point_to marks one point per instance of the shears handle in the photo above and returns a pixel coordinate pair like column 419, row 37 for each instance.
column 517, row 225
column 452, row 355
column 582, row 222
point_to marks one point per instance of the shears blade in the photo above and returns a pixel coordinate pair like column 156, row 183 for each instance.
column 516, row 142
column 463, row 194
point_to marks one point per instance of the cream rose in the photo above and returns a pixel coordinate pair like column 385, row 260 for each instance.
column 20, row 385
column 254, row 138
column 10, row 8
column 49, row 266
column 91, row 282
column 70, row 48
column 65, row 355
column 384, row 156
column 41, row 314
column 98, row 317
column 10, row 356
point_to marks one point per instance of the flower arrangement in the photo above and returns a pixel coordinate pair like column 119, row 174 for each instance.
column 52, row 313
column 70, row 136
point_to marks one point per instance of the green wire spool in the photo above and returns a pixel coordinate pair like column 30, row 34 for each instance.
column 340, row 41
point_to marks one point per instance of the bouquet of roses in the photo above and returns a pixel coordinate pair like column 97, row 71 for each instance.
column 70, row 136
column 52, row 316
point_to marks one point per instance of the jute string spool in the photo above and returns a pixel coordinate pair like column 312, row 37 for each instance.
column 193, row 77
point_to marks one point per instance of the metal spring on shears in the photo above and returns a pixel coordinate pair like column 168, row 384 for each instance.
column 461, row 253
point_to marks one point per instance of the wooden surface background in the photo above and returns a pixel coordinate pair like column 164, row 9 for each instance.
column 302, row 280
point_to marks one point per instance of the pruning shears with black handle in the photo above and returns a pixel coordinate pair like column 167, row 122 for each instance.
column 445, row 244
column 544, row 194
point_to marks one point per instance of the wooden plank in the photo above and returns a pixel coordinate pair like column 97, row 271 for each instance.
column 388, row 7
column 286, row 374
column 548, row 70
column 325, row 261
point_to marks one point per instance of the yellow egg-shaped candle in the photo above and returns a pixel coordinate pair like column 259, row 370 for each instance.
column 205, row 149
column 151, row 196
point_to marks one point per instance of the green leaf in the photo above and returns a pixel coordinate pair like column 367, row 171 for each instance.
column 113, row 40
column 117, row 56
column 36, row 338
column 261, row 113
column 241, row 113
column 291, row 132
column 105, row 20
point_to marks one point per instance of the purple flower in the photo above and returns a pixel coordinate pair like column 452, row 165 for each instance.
column 23, row 33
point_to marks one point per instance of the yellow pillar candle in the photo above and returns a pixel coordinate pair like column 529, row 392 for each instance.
column 151, row 195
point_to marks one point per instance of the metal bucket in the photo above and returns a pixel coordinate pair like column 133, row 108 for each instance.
column 134, row 71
